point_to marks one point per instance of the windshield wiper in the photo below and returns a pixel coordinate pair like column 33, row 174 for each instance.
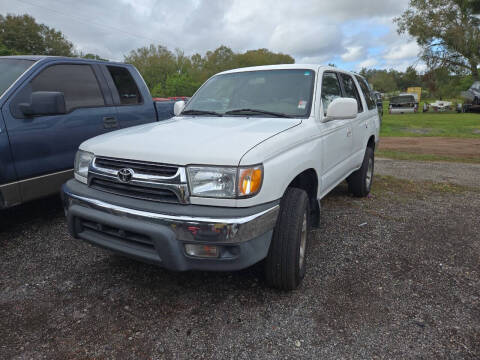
column 256, row 111
column 200, row 112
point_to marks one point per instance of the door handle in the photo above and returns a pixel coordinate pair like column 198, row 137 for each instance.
column 110, row 122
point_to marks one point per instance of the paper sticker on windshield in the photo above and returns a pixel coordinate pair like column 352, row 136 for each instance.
column 306, row 73
column 302, row 104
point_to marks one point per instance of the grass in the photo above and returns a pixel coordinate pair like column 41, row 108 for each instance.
column 447, row 124
column 400, row 155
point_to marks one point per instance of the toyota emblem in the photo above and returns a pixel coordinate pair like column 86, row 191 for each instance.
column 125, row 174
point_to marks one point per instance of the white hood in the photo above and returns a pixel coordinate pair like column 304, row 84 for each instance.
column 189, row 140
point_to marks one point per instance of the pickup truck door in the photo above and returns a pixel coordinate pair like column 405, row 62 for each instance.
column 337, row 139
column 130, row 95
column 43, row 147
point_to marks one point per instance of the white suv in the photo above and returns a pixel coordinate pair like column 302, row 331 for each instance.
column 235, row 177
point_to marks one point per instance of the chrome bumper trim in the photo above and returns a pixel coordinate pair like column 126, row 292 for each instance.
column 190, row 228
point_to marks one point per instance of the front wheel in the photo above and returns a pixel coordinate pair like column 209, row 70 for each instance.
column 360, row 181
column 286, row 260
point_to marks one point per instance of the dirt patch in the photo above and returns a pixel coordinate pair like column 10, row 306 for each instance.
column 465, row 148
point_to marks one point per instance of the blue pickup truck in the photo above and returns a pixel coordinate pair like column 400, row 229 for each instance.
column 49, row 105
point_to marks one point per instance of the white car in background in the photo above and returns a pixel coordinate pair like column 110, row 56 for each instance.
column 235, row 177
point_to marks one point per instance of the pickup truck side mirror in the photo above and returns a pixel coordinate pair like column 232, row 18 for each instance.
column 178, row 107
column 341, row 109
column 44, row 103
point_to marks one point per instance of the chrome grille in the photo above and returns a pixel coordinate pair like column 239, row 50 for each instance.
column 148, row 181
column 144, row 168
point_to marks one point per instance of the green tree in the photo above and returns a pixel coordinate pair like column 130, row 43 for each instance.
column 262, row 57
column 91, row 56
column 447, row 31
column 23, row 35
column 4, row 51
column 155, row 63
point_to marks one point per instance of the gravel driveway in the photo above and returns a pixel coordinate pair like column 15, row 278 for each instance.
column 395, row 275
column 447, row 172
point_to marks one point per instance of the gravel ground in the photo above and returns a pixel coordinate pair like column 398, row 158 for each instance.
column 447, row 172
column 395, row 276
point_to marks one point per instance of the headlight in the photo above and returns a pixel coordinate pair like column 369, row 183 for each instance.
column 212, row 181
column 82, row 162
column 224, row 182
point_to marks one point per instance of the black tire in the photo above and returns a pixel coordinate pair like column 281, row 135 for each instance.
column 285, row 264
column 360, row 182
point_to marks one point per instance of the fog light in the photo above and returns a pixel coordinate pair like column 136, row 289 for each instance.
column 208, row 251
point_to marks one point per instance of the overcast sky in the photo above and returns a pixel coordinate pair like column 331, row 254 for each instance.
column 349, row 33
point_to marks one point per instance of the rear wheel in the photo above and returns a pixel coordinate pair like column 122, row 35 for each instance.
column 360, row 182
column 286, row 261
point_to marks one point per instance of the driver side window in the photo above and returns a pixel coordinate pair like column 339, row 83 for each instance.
column 330, row 89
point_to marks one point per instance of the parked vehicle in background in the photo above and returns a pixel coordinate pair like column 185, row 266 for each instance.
column 235, row 177
column 49, row 105
column 440, row 106
column 402, row 104
column 472, row 98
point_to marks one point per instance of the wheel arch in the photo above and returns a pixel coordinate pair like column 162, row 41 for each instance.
column 307, row 180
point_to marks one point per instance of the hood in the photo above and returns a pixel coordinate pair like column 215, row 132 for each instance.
column 189, row 140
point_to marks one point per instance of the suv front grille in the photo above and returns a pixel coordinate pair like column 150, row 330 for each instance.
column 139, row 192
column 143, row 168
column 147, row 181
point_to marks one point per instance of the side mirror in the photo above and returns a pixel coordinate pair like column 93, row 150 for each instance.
column 178, row 107
column 342, row 109
column 44, row 103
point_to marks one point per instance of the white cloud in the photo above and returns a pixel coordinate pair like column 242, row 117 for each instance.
column 367, row 63
column 402, row 51
column 353, row 53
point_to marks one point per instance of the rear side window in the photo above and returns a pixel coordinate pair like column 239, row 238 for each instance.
column 371, row 104
column 330, row 89
column 351, row 90
column 126, row 86
column 77, row 82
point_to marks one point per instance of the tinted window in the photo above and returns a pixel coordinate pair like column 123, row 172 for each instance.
column 10, row 70
column 351, row 90
column 330, row 89
column 367, row 93
column 283, row 91
column 126, row 86
column 77, row 82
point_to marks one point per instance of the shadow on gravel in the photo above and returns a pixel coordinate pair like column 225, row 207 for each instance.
column 39, row 210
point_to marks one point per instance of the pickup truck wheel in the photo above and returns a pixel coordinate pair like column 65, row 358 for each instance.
column 286, row 259
column 360, row 182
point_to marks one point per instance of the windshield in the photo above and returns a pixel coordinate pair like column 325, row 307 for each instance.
column 10, row 70
column 280, row 93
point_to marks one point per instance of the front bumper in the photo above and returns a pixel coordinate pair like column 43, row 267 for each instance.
column 157, row 232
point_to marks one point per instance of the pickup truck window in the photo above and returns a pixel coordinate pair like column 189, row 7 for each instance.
column 367, row 93
column 77, row 82
column 126, row 86
column 330, row 89
column 10, row 70
column 350, row 90
column 280, row 93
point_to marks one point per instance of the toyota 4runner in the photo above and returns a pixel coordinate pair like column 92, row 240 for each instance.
column 236, row 177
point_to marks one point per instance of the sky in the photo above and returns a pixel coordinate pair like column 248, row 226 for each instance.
column 349, row 33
